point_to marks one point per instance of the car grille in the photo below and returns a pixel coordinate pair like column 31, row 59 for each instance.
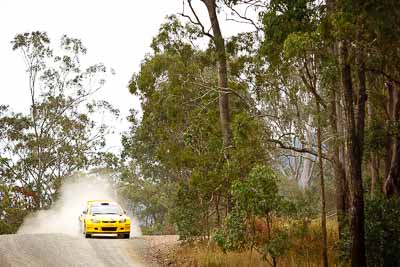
column 108, row 221
column 109, row 229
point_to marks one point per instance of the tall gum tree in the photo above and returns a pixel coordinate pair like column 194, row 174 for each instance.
column 337, row 146
column 58, row 136
column 219, row 42
column 354, row 121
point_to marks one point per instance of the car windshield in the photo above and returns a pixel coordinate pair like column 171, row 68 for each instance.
column 106, row 209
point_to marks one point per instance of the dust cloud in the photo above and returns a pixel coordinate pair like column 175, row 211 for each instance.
column 63, row 216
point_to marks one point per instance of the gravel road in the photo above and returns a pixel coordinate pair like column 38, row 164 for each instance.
column 59, row 250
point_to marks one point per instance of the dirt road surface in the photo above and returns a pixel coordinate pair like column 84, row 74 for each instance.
column 59, row 250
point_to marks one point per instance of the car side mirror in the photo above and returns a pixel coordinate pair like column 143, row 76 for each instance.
column 124, row 211
column 84, row 212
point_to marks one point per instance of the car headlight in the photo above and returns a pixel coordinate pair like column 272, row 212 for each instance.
column 95, row 220
column 122, row 220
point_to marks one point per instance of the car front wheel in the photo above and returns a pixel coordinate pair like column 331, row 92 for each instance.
column 84, row 232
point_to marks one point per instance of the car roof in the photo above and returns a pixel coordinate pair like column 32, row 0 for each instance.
column 101, row 202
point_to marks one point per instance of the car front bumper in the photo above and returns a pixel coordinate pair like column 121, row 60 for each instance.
column 101, row 228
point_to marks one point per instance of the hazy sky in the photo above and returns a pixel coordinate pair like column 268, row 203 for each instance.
column 117, row 33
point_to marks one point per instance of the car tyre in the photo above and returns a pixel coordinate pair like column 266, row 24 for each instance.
column 126, row 236
column 84, row 233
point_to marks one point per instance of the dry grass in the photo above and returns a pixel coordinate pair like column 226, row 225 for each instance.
column 305, row 250
column 202, row 256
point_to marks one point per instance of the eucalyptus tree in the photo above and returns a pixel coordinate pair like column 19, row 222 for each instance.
column 179, row 138
column 366, row 32
column 59, row 135
column 221, row 60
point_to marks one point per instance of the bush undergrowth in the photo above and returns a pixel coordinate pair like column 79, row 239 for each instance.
column 304, row 249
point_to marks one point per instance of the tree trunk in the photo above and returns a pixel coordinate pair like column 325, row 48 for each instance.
column 308, row 164
column 222, row 73
column 217, row 209
column 340, row 180
column 392, row 183
column 389, row 150
column 338, row 160
column 322, row 183
column 338, row 151
column 373, row 161
column 374, row 168
column 354, row 142
column 306, row 173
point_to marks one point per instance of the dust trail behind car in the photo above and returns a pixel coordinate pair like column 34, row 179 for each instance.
column 62, row 217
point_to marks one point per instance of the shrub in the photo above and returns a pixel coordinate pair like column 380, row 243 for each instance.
column 187, row 213
column 250, row 225
column 382, row 235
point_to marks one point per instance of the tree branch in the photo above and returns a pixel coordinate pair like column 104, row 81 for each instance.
column 296, row 149
column 197, row 20
column 244, row 19
column 381, row 72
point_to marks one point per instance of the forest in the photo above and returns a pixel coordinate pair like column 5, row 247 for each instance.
column 277, row 146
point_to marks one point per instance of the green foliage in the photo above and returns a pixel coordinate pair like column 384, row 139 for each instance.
column 382, row 229
column 376, row 137
column 178, row 139
column 382, row 232
column 278, row 244
column 11, row 210
column 278, row 73
column 258, row 195
column 149, row 199
column 232, row 236
column 187, row 213
column 343, row 245
column 299, row 45
column 173, row 35
column 257, row 201
column 297, row 203
column 283, row 18
column 58, row 136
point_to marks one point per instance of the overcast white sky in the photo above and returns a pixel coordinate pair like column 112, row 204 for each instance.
column 117, row 33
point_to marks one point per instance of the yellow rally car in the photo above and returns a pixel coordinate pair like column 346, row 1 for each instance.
column 104, row 217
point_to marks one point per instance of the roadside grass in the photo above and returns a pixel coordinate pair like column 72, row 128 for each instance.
column 305, row 250
column 199, row 256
